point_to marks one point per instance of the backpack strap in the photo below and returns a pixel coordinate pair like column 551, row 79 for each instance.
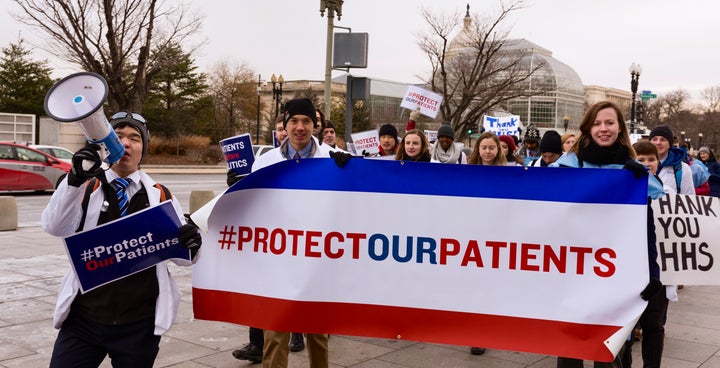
column 677, row 168
column 90, row 186
column 164, row 192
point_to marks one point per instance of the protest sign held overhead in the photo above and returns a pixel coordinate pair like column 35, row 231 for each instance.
column 428, row 101
column 502, row 125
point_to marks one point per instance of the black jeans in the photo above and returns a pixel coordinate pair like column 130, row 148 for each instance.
column 83, row 343
column 652, row 323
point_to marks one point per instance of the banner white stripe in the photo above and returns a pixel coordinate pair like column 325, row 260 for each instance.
column 453, row 287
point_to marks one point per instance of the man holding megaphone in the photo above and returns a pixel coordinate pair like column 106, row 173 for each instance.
column 124, row 318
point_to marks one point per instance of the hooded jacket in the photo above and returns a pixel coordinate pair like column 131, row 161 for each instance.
column 667, row 172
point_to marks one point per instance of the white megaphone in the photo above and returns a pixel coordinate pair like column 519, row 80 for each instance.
column 78, row 98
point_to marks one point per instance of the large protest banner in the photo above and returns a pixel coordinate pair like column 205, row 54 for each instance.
column 688, row 239
column 125, row 246
column 427, row 101
column 448, row 265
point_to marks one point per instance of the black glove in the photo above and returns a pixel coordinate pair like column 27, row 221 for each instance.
column 636, row 168
column 652, row 289
column 85, row 165
column 233, row 177
column 190, row 237
column 341, row 158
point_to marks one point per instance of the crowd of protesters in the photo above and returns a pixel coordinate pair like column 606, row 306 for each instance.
column 601, row 141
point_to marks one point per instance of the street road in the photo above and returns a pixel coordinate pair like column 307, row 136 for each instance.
column 30, row 204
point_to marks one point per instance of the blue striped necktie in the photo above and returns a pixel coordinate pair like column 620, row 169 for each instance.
column 121, row 185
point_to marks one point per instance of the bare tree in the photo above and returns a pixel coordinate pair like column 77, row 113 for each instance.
column 112, row 38
column 711, row 99
column 478, row 71
column 234, row 89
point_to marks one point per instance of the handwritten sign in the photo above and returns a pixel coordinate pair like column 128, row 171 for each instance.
column 502, row 125
column 688, row 239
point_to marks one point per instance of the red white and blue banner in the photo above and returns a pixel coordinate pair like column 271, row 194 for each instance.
column 540, row 260
column 125, row 246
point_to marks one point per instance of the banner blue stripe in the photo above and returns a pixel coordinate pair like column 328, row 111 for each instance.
column 602, row 186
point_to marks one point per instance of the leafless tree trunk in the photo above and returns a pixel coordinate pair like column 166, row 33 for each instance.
column 112, row 38
column 711, row 99
column 234, row 88
column 480, row 75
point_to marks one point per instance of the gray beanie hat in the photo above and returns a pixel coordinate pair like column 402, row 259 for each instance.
column 446, row 131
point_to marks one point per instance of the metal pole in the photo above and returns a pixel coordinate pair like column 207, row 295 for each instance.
column 348, row 109
column 257, row 133
column 328, row 62
column 333, row 7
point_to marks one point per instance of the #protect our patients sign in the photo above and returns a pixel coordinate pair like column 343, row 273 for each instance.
column 125, row 246
column 447, row 266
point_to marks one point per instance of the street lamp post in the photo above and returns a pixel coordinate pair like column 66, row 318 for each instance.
column 700, row 135
column 257, row 133
column 333, row 7
column 277, row 92
column 682, row 137
column 635, row 71
column 566, row 122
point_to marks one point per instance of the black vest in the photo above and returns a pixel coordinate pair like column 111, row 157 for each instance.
column 127, row 300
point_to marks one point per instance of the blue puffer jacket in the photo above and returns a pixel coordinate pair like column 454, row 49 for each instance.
column 655, row 190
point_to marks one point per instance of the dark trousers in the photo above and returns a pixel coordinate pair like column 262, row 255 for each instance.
column 83, row 343
column 578, row 363
column 256, row 337
column 652, row 323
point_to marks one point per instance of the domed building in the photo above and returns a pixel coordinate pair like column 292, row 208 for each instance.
column 562, row 103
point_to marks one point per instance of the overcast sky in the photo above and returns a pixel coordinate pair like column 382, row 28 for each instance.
column 675, row 42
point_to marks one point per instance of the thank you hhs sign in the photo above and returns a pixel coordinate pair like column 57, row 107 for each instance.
column 502, row 125
column 428, row 102
column 688, row 239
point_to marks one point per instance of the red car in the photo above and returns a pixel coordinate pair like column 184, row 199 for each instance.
column 24, row 168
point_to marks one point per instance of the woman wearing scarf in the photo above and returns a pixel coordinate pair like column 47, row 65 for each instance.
column 604, row 142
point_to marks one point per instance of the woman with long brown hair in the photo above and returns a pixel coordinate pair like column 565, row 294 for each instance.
column 486, row 151
column 604, row 142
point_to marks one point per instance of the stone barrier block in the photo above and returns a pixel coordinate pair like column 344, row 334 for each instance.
column 198, row 198
column 8, row 213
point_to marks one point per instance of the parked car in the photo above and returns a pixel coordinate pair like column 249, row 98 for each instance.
column 25, row 168
column 63, row 154
column 259, row 149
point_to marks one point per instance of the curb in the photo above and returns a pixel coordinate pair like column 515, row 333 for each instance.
column 184, row 169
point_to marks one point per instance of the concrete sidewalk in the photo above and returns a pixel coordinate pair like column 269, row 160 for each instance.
column 32, row 264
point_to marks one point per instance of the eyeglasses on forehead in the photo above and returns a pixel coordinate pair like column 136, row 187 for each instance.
column 134, row 115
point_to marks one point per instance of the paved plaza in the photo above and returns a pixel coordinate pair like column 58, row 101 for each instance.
column 32, row 264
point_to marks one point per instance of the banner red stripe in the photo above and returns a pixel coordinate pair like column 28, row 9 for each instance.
column 436, row 326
